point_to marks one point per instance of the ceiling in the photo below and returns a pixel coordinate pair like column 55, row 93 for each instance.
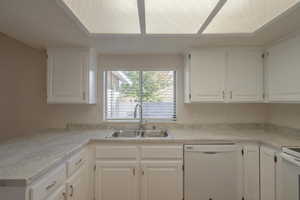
column 174, row 16
column 48, row 23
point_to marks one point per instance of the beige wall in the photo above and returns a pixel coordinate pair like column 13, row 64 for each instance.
column 23, row 105
column 23, row 93
column 284, row 115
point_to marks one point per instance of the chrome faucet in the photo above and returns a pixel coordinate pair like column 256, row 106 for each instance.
column 141, row 121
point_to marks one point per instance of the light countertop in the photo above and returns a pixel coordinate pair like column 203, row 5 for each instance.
column 24, row 159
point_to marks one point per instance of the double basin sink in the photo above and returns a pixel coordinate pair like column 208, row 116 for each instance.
column 140, row 134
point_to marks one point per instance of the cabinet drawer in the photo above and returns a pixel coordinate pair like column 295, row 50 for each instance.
column 74, row 163
column 48, row 184
column 59, row 194
column 152, row 152
column 122, row 152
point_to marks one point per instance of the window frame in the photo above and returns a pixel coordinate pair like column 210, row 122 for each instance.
column 140, row 71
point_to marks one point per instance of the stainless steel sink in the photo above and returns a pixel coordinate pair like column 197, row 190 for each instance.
column 125, row 133
column 140, row 133
column 155, row 133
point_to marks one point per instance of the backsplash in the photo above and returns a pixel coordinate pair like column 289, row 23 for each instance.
column 122, row 125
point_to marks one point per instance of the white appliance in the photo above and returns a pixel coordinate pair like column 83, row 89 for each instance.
column 289, row 180
column 213, row 172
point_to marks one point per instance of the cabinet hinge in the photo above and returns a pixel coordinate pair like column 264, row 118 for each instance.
column 275, row 159
column 243, row 152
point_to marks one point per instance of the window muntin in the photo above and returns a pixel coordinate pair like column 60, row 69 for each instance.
column 154, row 90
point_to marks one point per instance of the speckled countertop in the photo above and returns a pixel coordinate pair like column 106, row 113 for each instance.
column 24, row 159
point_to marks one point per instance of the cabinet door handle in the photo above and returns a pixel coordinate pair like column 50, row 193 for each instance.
column 133, row 171
column 230, row 94
column 223, row 93
column 51, row 185
column 72, row 190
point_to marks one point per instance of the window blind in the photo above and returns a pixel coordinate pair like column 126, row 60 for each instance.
column 155, row 91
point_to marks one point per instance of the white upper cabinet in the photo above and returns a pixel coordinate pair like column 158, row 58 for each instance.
column 205, row 75
column 71, row 76
column 245, row 75
column 224, row 75
column 283, row 71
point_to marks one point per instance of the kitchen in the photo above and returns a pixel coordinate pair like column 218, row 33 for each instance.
column 140, row 104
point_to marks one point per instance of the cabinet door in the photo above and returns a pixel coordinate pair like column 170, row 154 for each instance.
column 60, row 194
column 283, row 71
column 207, row 74
column 162, row 180
column 85, row 183
column 73, row 187
column 116, row 180
column 267, row 174
column 245, row 75
column 77, row 185
column 67, row 76
column 251, row 172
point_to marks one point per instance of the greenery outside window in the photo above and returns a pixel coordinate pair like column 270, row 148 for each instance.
column 155, row 91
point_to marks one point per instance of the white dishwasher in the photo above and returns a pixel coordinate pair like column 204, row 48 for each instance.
column 213, row 172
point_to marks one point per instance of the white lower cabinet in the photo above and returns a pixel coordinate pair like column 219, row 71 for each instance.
column 77, row 185
column 87, row 182
column 268, row 173
column 116, row 180
column 60, row 194
column 162, row 180
column 139, row 172
column 251, row 171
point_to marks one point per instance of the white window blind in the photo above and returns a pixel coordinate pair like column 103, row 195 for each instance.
column 155, row 91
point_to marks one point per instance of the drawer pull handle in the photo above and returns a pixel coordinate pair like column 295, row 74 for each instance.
column 79, row 161
column 51, row 185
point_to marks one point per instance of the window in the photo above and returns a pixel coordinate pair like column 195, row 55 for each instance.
column 153, row 90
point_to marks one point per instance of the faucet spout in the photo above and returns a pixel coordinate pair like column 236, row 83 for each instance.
column 141, row 121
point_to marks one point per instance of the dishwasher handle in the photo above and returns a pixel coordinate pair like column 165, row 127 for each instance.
column 212, row 148
column 291, row 159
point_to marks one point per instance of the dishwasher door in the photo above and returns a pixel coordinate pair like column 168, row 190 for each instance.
column 213, row 172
